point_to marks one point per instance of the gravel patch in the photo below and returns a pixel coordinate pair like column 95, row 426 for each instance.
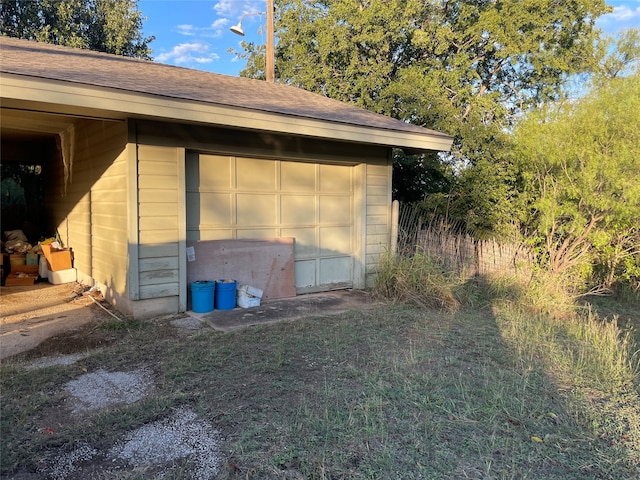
column 100, row 389
column 188, row 323
column 156, row 447
column 66, row 464
column 181, row 436
column 57, row 360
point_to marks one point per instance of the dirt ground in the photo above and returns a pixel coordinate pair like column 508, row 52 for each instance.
column 47, row 325
column 30, row 315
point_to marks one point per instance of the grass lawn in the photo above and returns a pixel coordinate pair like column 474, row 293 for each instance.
column 390, row 393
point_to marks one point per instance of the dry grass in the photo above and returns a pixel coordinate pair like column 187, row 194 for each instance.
column 480, row 387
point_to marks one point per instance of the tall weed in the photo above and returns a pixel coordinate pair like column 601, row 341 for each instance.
column 594, row 363
column 538, row 315
column 417, row 280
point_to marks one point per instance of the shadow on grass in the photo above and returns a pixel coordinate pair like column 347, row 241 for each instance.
column 405, row 393
column 391, row 392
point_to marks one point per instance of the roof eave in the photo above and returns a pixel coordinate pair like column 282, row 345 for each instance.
column 140, row 105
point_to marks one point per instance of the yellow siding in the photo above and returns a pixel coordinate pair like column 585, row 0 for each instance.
column 378, row 217
column 90, row 208
column 157, row 250
column 214, row 205
column 122, row 209
column 159, row 222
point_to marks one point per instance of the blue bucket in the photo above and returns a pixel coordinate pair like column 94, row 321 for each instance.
column 202, row 295
column 226, row 294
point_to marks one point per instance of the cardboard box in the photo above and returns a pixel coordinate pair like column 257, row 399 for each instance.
column 57, row 259
column 17, row 259
column 25, row 269
column 22, row 275
column 17, row 281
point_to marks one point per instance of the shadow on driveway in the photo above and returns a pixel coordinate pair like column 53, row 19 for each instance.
column 31, row 315
column 312, row 304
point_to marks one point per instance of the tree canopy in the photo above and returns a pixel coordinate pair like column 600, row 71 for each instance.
column 467, row 68
column 581, row 161
column 568, row 175
column 111, row 26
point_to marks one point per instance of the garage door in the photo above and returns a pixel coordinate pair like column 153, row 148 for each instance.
column 242, row 198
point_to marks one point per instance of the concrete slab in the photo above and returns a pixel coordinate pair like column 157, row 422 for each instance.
column 31, row 314
column 313, row 304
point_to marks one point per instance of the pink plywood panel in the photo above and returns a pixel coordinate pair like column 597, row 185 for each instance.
column 267, row 264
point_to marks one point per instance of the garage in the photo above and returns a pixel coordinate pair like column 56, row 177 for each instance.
column 231, row 197
column 146, row 157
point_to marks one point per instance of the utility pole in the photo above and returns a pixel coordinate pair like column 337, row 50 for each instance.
column 270, row 60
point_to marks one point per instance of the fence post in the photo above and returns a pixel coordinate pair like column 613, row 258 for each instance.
column 395, row 216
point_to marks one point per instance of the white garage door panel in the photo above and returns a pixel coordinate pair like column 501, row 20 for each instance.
column 248, row 198
column 305, row 244
column 254, row 174
column 335, row 241
column 305, row 274
column 256, row 233
column 217, row 234
column 333, row 271
column 297, row 177
column 299, row 209
column 215, row 172
column 334, row 178
column 256, row 209
column 335, row 209
column 208, row 209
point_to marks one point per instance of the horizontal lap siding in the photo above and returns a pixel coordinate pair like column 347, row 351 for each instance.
column 378, row 217
column 109, row 219
column 91, row 213
column 159, row 222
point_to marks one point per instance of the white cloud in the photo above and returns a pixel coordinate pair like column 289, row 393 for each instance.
column 188, row 54
column 226, row 8
column 235, row 8
column 229, row 13
column 220, row 23
column 622, row 17
column 215, row 30
column 625, row 13
column 188, row 30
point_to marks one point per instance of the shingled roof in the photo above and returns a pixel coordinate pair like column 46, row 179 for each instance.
column 32, row 60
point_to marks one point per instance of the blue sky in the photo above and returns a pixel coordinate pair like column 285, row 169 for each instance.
column 195, row 33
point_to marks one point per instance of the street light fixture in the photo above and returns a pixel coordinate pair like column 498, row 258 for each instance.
column 237, row 29
column 269, row 54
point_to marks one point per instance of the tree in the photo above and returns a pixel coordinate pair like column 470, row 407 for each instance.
column 418, row 175
column 622, row 60
column 469, row 68
column 254, row 55
column 582, row 164
column 111, row 26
